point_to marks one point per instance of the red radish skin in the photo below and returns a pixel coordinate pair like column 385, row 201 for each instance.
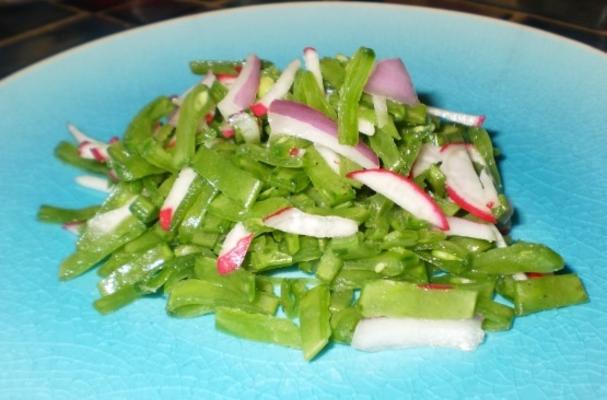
column 209, row 117
column 435, row 286
column 534, row 275
column 232, row 260
column 228, row 133
column 277, row 212
column 441, row 219
column 97, row 154
column 259, row 109
column 164, row 218
column 457, row 199
column 294, row 152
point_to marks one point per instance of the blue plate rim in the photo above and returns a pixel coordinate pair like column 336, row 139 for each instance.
column 307, row 4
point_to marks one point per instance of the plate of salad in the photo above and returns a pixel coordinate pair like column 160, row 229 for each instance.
column 258, row 203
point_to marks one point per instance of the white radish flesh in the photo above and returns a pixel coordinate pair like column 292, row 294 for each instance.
column 460, row 118
column 313, row 65
column 293, row 220
column 175, row 197
column 375, row 334
column 94, row 182
column 471, row 229
column 234, row 249
column 428, row 155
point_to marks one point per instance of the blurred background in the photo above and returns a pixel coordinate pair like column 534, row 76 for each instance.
column 33, row 30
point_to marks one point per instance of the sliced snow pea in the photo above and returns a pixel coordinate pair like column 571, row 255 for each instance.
column 69, row 154
column 551, row 291
column 314, row 320
column 237, row 184
column 358, row 70
column 258, row 327
column 519, row 257
column 58, row 215
column 385, row 298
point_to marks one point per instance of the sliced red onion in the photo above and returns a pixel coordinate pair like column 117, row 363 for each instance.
column 107, row 222
column 278, row 91
column 313, row 65
column 175, row 197
column 234, row 249
column 331, row 158
column 376, row 334
column 95, row 183
column 471, row 229
column 293, row 220
column 404, row 193
column 428, row 155
column 460, row 118
column 242, row 93
column 295, row 119
column 391, row 79
column 247, row 126
column 381, row 110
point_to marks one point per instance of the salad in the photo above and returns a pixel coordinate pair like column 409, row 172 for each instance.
column 320, row 203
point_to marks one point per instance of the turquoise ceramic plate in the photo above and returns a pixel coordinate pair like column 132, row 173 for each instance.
column 545, row 98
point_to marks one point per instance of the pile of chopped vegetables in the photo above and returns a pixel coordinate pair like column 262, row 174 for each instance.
column 319, row 203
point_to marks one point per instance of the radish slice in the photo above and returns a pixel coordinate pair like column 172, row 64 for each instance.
column 108, row 221
column 375, row 334
column 176, row 195
column 391, row 79
column 247, row 126
column 207, row 81
column 471, row 229
column 460, row 118
column 293, row 220
column 313, row 65
column 463, row 185
column 428, row 155
column 366, row 127
column 403, row 192
column 381, row 110
column 520, row 276
column 491, row 196
column 234, row 249
column 74, row 227
column 278, row 91
column 499, row 239
column 94, row 182
column 330, row 157
column 88, row 147
column 299, row 120
column 242, row 93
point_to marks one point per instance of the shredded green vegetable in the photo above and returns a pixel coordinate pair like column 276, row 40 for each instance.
column 190, row 200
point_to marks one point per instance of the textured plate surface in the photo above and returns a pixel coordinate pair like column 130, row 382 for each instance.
column 545, row 98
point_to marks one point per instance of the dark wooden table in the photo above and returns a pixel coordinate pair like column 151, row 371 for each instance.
column 33, row 30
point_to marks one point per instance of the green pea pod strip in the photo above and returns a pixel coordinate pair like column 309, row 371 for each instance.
column 58, row 215
column 496, row 316
column 385, row 298
column 520, row 257
column 240, row 281
column 389, row 263
column 552, row 291
column 194, row 297
column 358, row 70
column 129, row 165
column 203, row 67
column 258, row 327
column 328, row 266
column 314, row 321
column 332, row 187
column 153, row 282
column 142, row 125
column 68, row 153
column 343, row 324
column 383, row 145
column 195, row 105
column 118, row 299
column 136, row 270
column 153, row 152
column 313, row 95
column 192, row 220
column 333, row 72
column 237, row 184
column 98, row 242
